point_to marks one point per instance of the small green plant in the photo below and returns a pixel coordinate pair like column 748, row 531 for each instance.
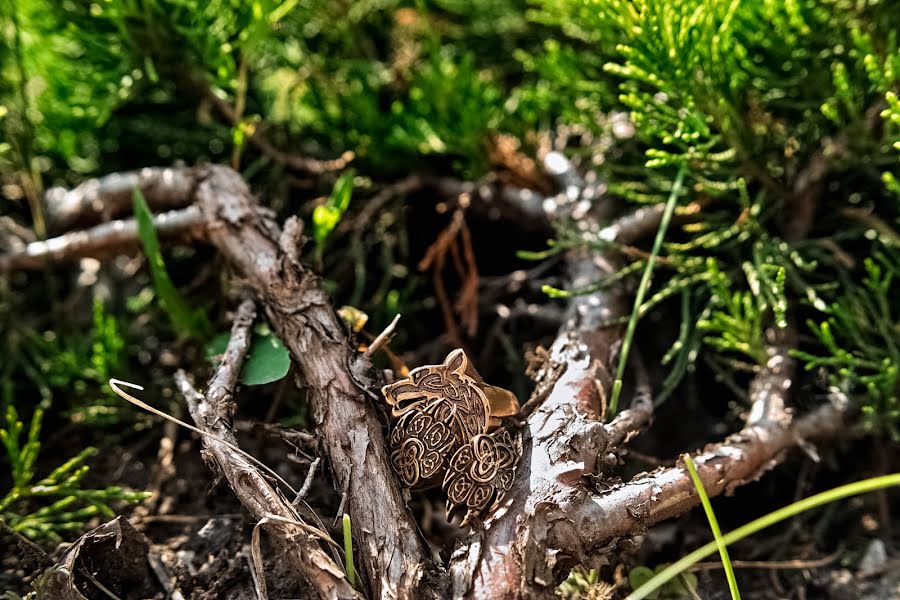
column 860, row 337
column 77, row 361
column 267, row 359
column 735, row 323
column 57, row 504
column 678, row 587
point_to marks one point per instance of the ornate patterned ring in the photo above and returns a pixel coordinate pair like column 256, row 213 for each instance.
column 448, row 430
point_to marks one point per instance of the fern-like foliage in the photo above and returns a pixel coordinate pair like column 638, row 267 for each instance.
column 861, row 343
column 50, row 507
column 772, row 101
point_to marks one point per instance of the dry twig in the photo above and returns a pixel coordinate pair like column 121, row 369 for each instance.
column 337, row 376
column 552, row 518
column 112, row 196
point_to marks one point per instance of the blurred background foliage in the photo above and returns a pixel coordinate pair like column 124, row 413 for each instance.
column 784, row 114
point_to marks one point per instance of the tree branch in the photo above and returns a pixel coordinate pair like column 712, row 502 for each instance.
column 631, row 507
column 337, row 377
column 565, row 439
column 212, row 413
column 103, row 239
column 553, row 517
column 112, row 196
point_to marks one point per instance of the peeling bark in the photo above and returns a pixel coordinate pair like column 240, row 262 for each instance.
column 562, row 510
column 520, row 553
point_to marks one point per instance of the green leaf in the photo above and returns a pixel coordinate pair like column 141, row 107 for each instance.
column 681, row 586
column 640, row 575
column 267, row 359
column 185, row 322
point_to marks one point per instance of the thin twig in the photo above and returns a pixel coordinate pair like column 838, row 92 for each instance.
column 376, row 203
column 338, row 379
column 258, row 139
column 777, row 565
column 310, row 476
column 631, row 420
column 109, row 197
column 382, row 338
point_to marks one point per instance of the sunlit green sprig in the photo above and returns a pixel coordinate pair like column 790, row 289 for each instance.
column 58, row 503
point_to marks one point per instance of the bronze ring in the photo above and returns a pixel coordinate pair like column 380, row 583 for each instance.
column 447, row 431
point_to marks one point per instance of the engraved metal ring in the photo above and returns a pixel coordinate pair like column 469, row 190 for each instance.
column 447, row 431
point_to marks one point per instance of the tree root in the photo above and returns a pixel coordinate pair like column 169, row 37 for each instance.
column 562, row 509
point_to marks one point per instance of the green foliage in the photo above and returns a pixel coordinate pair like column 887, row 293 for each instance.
column 267, row 359
column 71, row 364
column 186, row 322
column 731, row 88
column 859, row 339
column 78, row 362
column 754, row 98
column 57, row 504
column 770, row 107
column 735, row 323
column 326, row 216
column 57, row 88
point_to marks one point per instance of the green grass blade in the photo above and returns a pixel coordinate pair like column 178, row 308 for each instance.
column 184, row 322
column 642, row 289
column 348, row 551
column 714, row 525
column 832, row 495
